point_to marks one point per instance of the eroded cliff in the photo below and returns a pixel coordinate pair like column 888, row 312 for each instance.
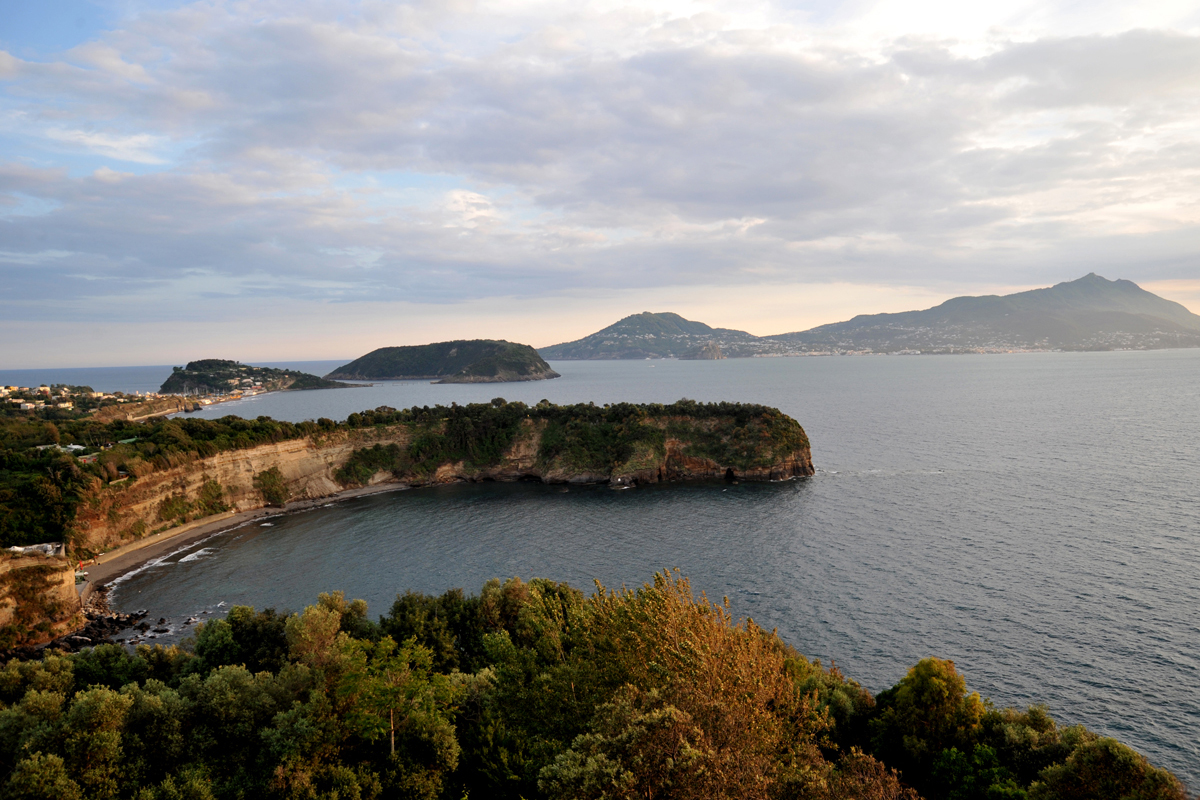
column 582, row 444
column 38, row 600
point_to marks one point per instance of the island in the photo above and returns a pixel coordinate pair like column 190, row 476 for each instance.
column 459, row 361
column 216, row 376
column 1091, row 313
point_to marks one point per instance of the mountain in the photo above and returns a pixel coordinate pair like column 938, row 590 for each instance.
column 460, row 361
column 219, row 376
column 662, row 335
column 1091, row 313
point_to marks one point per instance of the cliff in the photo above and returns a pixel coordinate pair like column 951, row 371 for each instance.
column 38, row 600
column 136, row 412
column 202, row 489
column 623, row 445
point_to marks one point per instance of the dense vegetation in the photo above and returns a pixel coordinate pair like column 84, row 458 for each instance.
column 40, row 490
column 582, row 437
column 219, row 376
column 525, row 691
column 454, row 362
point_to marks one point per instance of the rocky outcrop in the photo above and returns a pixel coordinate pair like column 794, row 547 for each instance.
column 38, row 600
column 707, row 352
column 117, row 514
column 136, row 412
column 674, row 462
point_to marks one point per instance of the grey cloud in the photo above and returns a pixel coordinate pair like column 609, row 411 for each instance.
column 670, row 164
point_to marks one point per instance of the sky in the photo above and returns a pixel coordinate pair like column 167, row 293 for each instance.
column 283, row 179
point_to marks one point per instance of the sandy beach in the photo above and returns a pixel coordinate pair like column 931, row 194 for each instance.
column 127, row 558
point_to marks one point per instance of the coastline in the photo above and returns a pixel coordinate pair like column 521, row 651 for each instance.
column 126, row 558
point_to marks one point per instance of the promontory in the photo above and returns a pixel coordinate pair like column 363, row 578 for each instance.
column 221, row 376
column 168, row 476
column 459, row 361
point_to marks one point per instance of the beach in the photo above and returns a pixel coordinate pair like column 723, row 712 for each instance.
column 126, row 558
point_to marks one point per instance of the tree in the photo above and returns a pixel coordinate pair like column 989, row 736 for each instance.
column 927, row 712
column 638, row 747
column 1101, row 768
column 391, row 692
column 95, row 725
column 41, row 777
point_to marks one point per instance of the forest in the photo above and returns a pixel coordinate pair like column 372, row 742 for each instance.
column 526, row 690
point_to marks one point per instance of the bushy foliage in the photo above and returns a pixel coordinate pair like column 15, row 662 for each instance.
column 583, row 437
column 272, row 486
column 527, row 690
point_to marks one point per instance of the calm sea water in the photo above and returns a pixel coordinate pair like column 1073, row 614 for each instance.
column 1032, row 517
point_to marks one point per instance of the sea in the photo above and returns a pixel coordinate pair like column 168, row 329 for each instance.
column 1034, row 517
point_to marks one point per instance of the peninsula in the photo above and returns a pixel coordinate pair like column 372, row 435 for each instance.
column 218, row 376
column 459, row 361
column 135, row 482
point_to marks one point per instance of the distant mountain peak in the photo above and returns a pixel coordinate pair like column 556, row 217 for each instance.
column 1088, row 313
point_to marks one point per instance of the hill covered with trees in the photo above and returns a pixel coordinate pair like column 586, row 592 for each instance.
column 460, row 361
column 527, row 690
column 656, row 335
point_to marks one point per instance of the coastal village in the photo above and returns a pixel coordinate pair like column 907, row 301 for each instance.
column 78, row 401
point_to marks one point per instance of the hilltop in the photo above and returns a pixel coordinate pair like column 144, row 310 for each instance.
column 459, row 361
column 219, row 376
column 1091, row 313
column 656, row 335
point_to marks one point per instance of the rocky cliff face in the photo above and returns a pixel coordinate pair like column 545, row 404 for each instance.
column 522, row 461
column 118, row 514
column 308, row 468
column 38, row 600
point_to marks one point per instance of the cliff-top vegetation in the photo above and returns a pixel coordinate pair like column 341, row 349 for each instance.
column 528, row 690
column 42, row 482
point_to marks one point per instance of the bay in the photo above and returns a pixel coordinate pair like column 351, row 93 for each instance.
column 1033, row 517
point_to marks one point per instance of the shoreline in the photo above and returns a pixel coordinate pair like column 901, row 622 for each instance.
column 126, row 558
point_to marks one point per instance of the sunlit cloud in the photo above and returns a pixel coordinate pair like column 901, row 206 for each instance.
column 432, row 153
column 138, row 148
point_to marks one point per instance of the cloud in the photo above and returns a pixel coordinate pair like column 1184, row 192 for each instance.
column 430, row 153
column 137, row 148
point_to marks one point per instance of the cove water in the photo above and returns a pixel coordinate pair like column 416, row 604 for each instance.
column 1033, row 517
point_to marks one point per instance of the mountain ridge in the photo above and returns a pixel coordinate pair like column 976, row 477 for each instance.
column 1090, row 313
